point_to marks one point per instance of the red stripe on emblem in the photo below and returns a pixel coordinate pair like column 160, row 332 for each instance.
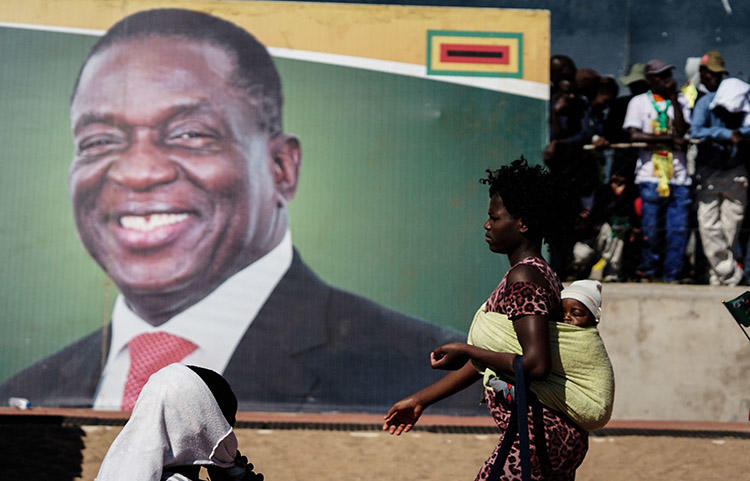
column 467, row 53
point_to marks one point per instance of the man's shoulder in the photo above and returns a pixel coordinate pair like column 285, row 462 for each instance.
column 636, row 107
column 352, row 311
column 639, row 100
column 67, row 377
column 331, row 349
column 704, row 102
column 346, row 310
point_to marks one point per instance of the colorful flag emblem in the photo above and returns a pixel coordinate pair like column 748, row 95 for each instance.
column 489, row 54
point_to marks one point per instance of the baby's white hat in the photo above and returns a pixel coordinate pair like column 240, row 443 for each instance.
column 588, row 292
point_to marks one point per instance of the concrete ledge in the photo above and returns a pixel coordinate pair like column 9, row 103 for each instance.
column 677, row 353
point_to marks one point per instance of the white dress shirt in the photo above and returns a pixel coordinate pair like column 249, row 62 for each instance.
column 216, row 324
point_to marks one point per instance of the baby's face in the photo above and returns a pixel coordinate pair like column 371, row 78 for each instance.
column 574, row 312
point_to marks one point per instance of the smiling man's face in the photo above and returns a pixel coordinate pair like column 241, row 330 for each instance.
column 171, row 183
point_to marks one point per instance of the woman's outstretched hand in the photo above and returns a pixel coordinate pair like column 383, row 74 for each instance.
column 402, row 416
column 449, row 357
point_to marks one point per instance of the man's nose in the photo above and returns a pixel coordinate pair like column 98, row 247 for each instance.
column 144, row 165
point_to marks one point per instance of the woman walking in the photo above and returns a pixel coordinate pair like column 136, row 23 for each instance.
column 524, row 210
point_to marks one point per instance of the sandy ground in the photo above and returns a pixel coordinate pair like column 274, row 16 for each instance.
column 307, row 455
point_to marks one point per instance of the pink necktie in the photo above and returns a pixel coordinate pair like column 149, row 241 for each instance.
column 150, row 352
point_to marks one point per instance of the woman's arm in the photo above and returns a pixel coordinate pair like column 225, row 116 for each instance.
column 533, row 335
column 402, row 416
column 531, row 329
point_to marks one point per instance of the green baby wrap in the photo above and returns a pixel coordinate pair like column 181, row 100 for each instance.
column 580, row 384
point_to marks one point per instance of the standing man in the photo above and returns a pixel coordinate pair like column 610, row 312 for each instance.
column 721, row 175
column 569, row 130
column 179, row 184
column 658, row 118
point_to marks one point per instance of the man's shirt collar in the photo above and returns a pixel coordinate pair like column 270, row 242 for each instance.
column 217, row 323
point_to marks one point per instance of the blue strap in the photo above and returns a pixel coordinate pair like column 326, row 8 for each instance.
column 508, row 437
column 523, row 419
column 518, row 424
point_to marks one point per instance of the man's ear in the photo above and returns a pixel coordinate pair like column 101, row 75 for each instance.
column 522, row 227
column 286, row 156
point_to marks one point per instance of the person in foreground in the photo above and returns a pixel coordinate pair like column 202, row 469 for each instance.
column 182, row 420
column 524, row 210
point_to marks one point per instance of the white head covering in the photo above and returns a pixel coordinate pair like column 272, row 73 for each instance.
column 692, row 70
column 734, row 95
column 175, row 422
column 588, row 292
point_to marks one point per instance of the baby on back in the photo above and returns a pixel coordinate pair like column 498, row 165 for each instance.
column 581, row 380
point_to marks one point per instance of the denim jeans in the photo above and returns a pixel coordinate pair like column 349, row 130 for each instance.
column 667, row 216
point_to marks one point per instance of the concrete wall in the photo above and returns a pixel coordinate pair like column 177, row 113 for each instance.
column 677, row 353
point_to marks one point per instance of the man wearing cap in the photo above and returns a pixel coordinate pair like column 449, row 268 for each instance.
column 712, row 70
column 658, row 117
column 721, row 176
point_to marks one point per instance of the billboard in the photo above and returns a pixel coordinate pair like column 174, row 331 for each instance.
column 316, row 263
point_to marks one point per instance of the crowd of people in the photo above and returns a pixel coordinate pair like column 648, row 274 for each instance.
column 658, row 177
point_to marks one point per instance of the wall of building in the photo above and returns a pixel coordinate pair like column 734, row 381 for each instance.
column 676, row 352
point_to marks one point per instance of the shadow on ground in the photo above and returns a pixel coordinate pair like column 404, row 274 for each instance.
column 45, row 451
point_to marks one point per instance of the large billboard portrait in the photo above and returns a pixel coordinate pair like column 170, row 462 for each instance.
column 285, row 193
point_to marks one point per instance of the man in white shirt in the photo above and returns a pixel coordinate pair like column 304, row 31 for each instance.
column 659, row 118
column 179, row 186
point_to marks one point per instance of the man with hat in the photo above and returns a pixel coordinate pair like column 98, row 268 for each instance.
column 712, row 70
column 658, row 118
column 636, row 79
column 721, row 175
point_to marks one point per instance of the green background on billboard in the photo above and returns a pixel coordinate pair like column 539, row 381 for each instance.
column 388, row 206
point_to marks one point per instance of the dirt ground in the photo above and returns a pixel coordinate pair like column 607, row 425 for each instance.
column 308, row 455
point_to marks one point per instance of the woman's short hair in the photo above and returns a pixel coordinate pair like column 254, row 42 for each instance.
column 531, row 193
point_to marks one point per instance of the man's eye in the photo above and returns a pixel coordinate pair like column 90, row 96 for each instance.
column 97, row 145
column 191, row 135
column 192, row 138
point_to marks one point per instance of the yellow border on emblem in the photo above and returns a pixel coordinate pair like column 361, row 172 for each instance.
column 383, row 32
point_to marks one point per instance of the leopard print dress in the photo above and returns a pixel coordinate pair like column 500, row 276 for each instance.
column 566, row 443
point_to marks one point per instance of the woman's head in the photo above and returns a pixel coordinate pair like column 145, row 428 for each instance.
column 534, row 202
column 221, row 390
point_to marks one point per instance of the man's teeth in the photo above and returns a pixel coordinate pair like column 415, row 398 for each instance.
column 146, row 223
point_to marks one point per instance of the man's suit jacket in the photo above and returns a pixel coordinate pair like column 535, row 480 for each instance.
column 311, row 347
